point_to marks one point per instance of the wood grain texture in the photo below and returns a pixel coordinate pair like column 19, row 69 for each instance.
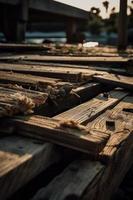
column 120, row 126
column 119, row 148
column 75, row 97
column 67, row 73
column 21, row 159
column 15, row 101
column 116, row 80
column 60, row 132
column 106, row 182
column 40, row 69
column 91, row 109
column 72, row 182
column 69, row 59
column 28, row 80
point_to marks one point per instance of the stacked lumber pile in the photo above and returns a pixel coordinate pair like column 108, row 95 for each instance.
column 52, row 114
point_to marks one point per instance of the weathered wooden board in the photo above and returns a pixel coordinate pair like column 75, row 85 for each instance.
column 59, row 132
column 37, row 69
column 70, row 59
column 11, row 89
column 62, row 72
column 28, row 80
column 23, row 47
column 91, row 109
column 75, row 97
column 88, row 88
column 74, row 182
column 118, row 122
column 21, row 159
column 15, row 101
column 116, row 80
column 119, row 149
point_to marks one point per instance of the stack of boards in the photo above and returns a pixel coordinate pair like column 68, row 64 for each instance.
column 50, row 111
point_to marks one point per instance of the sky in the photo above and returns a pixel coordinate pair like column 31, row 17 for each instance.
column 87, row 4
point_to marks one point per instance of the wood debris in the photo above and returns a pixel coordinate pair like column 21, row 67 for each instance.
column 72, row 124
column 14, row 102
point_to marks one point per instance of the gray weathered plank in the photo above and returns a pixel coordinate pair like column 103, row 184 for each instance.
column 21, row 159
column 72, row 183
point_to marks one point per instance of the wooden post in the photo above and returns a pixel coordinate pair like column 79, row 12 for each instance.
column 14, row 21
column 122, row 26
column 71, row 28
column 22, row 21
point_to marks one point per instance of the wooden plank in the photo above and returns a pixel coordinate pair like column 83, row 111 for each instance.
column 118, row 122
column 54, row 88
column 67, row 73
column 11, row 89
column 21, row 159
column 76, row 96
column 29, row 66
column 17, row 101
column 91, row 109
column 72, row 183
column 27, row 79
column 116, row 80
column 84, row 91
column 119, row 148
column 70, row 59
column 23, row 47
column 67, row 134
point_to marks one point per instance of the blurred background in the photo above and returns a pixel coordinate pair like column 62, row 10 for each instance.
column 52, row 21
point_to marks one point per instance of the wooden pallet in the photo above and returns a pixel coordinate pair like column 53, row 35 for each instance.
column 78, row 108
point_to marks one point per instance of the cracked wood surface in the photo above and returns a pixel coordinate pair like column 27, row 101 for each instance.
column 77, row 183
column 60, row 132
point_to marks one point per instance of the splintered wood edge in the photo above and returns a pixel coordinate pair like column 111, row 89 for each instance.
column 48, row 129
column 122, row 81
column 119, row 138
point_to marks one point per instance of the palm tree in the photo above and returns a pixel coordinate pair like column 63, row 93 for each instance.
column 106, row 5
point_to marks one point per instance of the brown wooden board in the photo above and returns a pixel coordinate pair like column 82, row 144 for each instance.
column 28, row 80
column 118, row 122
column 67, row 73
column 74, row 182
column 70, row 59
column 59, row 132
column 75, row 97
column 91, row 109
column 116, row 80
column 10, row 47
column 15, row 101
